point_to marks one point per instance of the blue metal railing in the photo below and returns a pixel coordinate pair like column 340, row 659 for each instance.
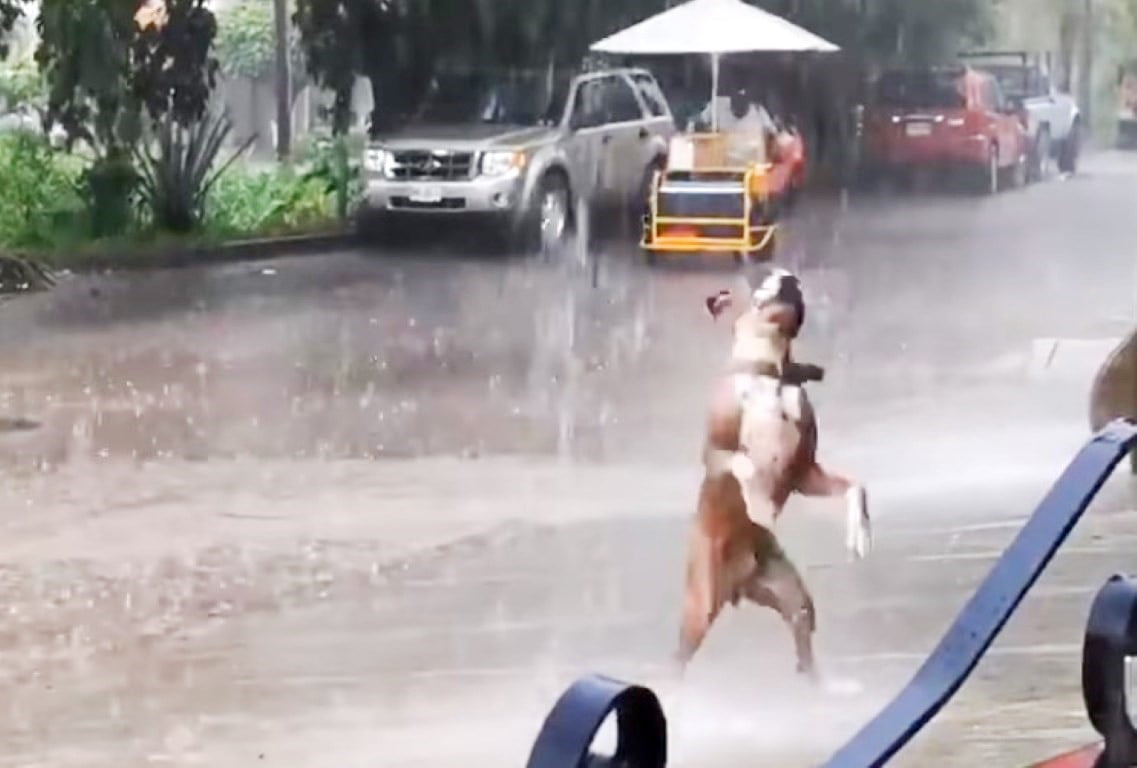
column 568, row 732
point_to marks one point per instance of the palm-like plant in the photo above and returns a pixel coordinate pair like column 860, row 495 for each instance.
column 177, row 171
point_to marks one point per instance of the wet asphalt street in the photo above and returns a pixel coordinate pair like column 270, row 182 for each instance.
column 378, row 508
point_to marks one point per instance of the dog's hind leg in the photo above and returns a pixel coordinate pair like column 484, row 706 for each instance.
column 778, row 585
column 702, row 597
column 858, row 525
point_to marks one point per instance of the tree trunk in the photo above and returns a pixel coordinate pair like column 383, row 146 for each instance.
column 283, row 82
column 1086, row 78
column 1067, row 43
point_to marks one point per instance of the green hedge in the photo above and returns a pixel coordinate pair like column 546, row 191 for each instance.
column 42, row 210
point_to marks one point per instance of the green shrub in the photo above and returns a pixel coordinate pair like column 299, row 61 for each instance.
column 309, row 147
column 108, row 187
column 53, row 201
column 40, row 202
column 22, row 84
column 334, row 163
column 267, row 202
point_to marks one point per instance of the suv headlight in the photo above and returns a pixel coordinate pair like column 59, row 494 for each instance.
column 378, row 160
column 502, row 162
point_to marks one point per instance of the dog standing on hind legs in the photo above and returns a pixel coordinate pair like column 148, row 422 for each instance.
column 761, row 446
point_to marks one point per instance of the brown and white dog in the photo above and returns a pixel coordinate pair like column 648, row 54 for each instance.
column 761, row 446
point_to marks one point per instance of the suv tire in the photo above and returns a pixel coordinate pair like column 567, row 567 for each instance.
column 987, row 175
column 549, row 223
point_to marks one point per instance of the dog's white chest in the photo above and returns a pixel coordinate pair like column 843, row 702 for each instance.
column 763, row 395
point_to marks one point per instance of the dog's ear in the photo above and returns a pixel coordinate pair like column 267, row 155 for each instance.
column 718, row 303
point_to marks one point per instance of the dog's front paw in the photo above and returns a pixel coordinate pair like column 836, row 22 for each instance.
column 862, row 546
column 718, row 303
column 858, row 525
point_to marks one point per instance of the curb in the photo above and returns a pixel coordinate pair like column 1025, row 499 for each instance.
column 178, row 257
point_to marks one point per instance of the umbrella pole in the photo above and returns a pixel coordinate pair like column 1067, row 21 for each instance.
column 714, row 92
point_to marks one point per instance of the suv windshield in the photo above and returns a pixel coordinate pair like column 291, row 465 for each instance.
column 920, row 90
column 527, row 99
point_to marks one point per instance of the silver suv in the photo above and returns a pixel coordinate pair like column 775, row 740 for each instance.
column 523, row 149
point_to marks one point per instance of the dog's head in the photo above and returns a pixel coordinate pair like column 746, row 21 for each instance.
column 778, row 300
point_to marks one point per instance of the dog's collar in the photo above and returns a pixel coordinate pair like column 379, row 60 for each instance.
column 756, row 368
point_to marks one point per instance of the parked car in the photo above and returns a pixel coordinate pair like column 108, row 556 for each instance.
column 1054, row 122
column 522, row 150
column 946, row 118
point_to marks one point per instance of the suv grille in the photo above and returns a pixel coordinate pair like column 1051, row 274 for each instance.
column 436, row 165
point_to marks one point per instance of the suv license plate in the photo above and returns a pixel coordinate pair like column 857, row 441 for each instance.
column 426, row 195
column 918, row 129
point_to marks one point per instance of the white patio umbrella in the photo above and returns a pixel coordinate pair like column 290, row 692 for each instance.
column 713, row 27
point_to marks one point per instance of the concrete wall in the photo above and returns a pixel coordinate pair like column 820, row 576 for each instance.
column 251, row 105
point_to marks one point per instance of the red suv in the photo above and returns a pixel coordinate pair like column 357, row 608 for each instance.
column 944, row 118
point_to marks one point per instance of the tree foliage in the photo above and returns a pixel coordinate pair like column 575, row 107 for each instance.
column 246, row 41
column 105, row 74
column 173, row 69
column 1122, row 20
column 333, row 35
column 10, row 12
column 398, row 43
column 894, row 31
column 108, row 74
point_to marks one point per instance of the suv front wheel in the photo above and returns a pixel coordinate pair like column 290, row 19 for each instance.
column 549, row 222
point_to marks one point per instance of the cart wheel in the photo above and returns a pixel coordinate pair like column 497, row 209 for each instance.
column 642, row 207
